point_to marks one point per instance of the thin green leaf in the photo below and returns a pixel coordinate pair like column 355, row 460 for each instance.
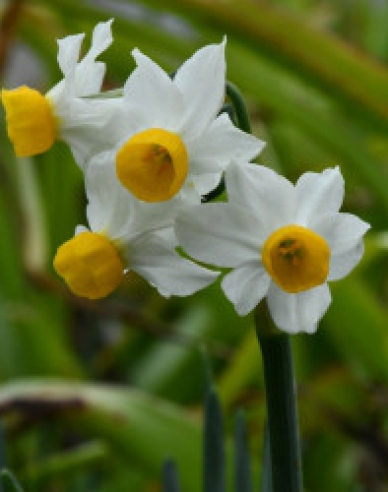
column 266, row 477
column 170, row 477
column 9, row 482
column 133, row 424
column 243, row 475
column 214, row 452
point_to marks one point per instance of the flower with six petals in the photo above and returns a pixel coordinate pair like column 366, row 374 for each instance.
column 35, row 121
column 281, row 241
column 170, row 137
column 125, row 234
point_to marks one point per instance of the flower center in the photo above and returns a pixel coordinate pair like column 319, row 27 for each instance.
column 31, row 123
column 90, row 264
column 296, row 258
column 153, row 165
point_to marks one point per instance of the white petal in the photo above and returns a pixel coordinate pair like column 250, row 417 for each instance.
column 117, row 212
column 318, row 193
column 201, row 80
column 94, row 113
column 84, row 144
column 246, row 286
column 89, row 73
column 151, row 217
column 90, row 126
column 189, row 193
column 221, row 234
column 60, row 93
column 110, row 206
column 153, row 99
column 342, row 231
column 154, row 259
column 205, row 183
column 294, row 313
column 342, row 264
column 220, row 144
column 68, row 52
column 79, row 229
column 89, row 76
column 101, row 40
column 264, row 192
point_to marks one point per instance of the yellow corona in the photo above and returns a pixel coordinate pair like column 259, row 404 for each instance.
column 296, row 258
column 90, row 264
column 153, row 165
column 31, row 124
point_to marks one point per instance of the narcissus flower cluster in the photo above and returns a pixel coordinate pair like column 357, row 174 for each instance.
column 150, row 155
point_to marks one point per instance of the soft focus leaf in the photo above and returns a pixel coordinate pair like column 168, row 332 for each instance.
column 243, row 477
column 9, row 482
column 214, row 452
column 131, row 422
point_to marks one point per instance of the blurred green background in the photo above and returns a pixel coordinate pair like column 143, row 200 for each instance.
column 95, row 396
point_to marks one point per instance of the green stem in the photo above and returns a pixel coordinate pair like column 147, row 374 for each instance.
column 9, row 482
column 281, row 408
column 239, row 106
column 170, row 477
column 242, row 122
column 266, row 477
column 213, row 445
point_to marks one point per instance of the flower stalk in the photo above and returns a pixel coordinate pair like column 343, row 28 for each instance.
column 281, row 407
column 242, row 117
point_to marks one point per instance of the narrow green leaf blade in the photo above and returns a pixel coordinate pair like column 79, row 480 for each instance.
column 9, row 482
column 170, row 477
column 243, row 475
column 266, row 477
column 130, row 422
column 214, row 452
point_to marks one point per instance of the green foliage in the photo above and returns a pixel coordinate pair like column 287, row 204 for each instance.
column 97, row 396
column 170, row 477
column 214, row 462
column 9, row 482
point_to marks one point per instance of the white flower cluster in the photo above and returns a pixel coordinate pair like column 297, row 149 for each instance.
column 150, row 154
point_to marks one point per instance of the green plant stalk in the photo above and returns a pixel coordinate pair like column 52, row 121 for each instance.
column 170, row 477
column 214, row 466
column 9, row 482
column 242, row 465
column 266, row 477
column 239, row 106
column 281, row 409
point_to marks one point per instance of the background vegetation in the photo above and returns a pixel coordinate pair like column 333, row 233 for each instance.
column 95, row 396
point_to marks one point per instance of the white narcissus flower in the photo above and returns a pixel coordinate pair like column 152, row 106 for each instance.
column 125, row 235
column 282, row 241
column 35, row 121
column 170, row 136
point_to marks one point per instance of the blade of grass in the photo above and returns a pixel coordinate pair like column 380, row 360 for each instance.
column 243, row 475
column 170, row 477
column 213, row 442
column 9, row 482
